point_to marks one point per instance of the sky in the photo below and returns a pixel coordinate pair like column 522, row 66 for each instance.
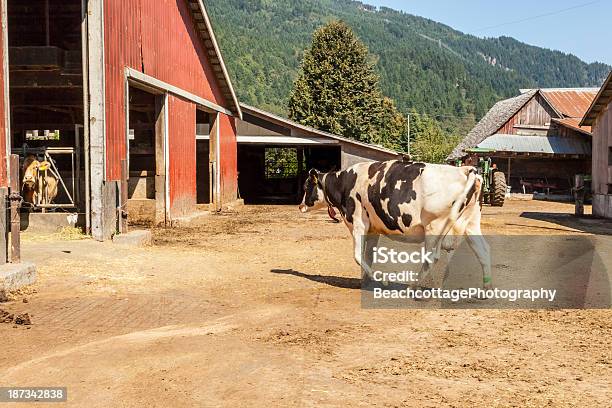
column 579, row 27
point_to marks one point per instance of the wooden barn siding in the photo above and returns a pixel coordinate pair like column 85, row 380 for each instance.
column 602, row 140
column 535, row 112
column 181, row 155
column 228, row 149
column 563, row 131
column 159, row 39
column 3, row 108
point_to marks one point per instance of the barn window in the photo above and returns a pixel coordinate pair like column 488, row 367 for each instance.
column 610, row 156
column 281, row 163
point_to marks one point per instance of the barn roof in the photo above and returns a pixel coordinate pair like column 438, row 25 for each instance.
column 309, row 130
column 204, row 27
column 495, row 118
column 569, row 102
column 573, row 123
column 603, row 98
column 537, row 144
column 570, row 105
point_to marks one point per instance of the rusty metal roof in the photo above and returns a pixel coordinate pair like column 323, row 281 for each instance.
column 570, row 105
column 573, row 123
column 204, row 27
column 604, row 96
column 569, row 102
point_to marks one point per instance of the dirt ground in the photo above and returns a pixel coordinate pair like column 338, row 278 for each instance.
column 262, row 308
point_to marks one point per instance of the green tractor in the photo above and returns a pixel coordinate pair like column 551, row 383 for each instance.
column 495, row 186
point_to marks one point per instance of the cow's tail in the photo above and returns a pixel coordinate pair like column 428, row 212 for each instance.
column 471, row 191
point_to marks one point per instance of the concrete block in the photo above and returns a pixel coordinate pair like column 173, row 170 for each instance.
column 141, row 210
column 47, row 222
column 16, row 276
column 190, row 220
column 234, row 205
column 135, row 238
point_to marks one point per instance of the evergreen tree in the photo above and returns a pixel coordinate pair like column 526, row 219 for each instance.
column 338, row 90
column 428, row 142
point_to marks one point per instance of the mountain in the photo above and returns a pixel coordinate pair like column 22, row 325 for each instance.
column 424, row 65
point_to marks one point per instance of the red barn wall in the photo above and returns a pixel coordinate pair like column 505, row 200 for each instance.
column 181, row 155
column 228, row 149
column 157, row 38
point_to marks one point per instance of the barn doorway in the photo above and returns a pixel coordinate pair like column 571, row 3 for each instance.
column 47, row 100
column 275, row 174
column 146, row 157
column 203, row 180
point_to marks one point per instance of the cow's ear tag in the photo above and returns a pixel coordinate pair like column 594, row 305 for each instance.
column 44, row 166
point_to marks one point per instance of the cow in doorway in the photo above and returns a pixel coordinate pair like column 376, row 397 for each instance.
column 39, row 184
column 431, row 201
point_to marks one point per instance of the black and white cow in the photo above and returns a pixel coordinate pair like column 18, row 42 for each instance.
column 432, row 201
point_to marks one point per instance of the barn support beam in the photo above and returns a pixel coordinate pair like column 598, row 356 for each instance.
column 300, row 165
column 509, row 170
column 6, row 96
column 160, row 160
column 154, row 84
column 214, row 167
column 96, row 117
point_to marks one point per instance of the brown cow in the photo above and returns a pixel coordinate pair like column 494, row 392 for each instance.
column 34, row 183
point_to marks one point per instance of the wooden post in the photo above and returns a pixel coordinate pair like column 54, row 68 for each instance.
column 160, row 160
column 96, row 117
column 509, row 170
column 4, row 227
column 579, row 193
column 15, row 198
column 300, row 171
column 123, row 198
column 47, row 31
column 215, row 196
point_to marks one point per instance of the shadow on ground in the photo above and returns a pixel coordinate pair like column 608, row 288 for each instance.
column 336, row 281
column 586, row 223
column 340, row 281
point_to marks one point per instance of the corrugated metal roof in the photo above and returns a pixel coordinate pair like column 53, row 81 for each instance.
column 285, row 140
column 573, row 123
column 537, row 144
column 570, row 102
column 268, row 116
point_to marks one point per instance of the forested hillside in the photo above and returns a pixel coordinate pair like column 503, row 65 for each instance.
column 424, row 65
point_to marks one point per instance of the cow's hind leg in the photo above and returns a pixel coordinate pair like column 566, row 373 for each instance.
column 481, row 248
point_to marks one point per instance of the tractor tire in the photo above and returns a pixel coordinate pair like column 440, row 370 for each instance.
column 498, row 189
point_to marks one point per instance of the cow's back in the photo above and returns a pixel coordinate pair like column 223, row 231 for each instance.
column 400, row 197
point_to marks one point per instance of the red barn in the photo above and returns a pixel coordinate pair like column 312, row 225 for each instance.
column 114, row 92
